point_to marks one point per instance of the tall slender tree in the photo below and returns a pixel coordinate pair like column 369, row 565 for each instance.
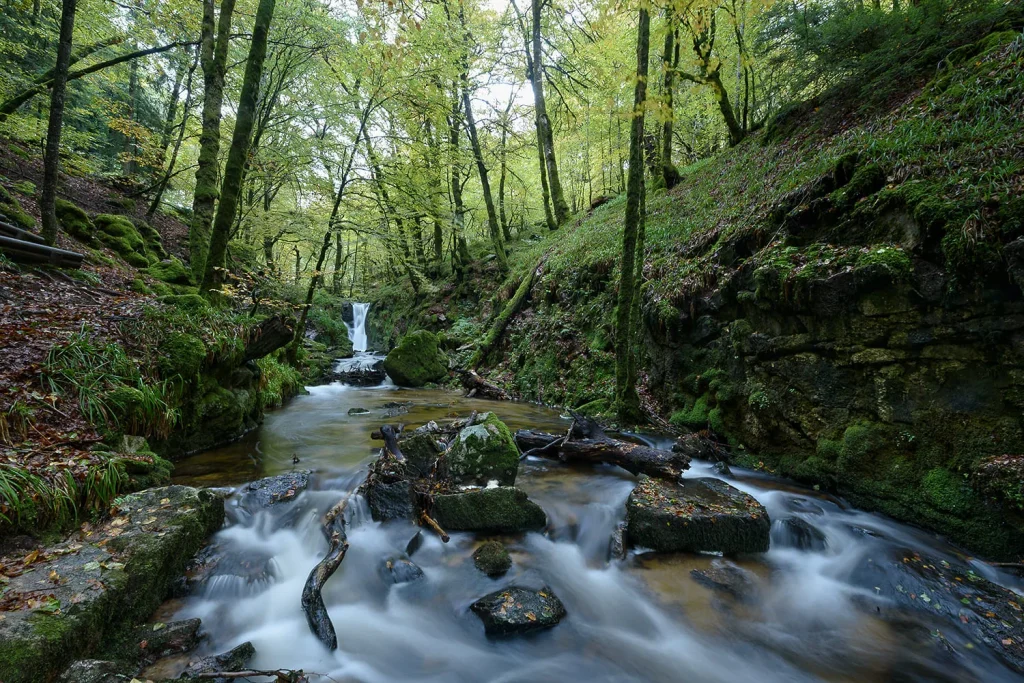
column 627, row 401
column 213, row 57
column 51, row 157
column 233, row 169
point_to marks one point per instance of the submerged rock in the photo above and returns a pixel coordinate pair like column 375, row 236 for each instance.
column 118, row 575
column 484, row 452
column 282, row 488
column 492, row 558
column 358, row 411
column 515, row 611
column 726, row 577
column 416, row 360
column 695, row 515
column 226, row 569
column 400, row 570
column 503, row 509
column 793, row 532
column 236, row 659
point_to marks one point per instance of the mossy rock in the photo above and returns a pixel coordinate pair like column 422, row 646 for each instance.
column 193, row 303
column 140, row 287
column 500, row 510
column 11, row 207
column 483, row 453
column 416, row 360
column 171, row 271
column 119, row 233
column 492, row 558
column 182, row 355
column 154, row 243
column 75, row 221
column 221, row 411
column 136, row 260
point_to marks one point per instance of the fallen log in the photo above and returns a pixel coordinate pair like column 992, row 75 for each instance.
column 333, row 528
column 477, row 387
column 502, row 320
column 32, row 252
column 580, row 445
column 267, row 337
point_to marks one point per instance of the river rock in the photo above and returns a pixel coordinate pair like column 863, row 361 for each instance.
column 361, row 374
column 400, row 570
column 229, row 569
column 484, row 452
column 282, row 488
column 726, row 577
column 117, row 575
column 694, row 515
column 968, row 610
column 420, row 451
column 235, row 659
column 515, row 611
column 793, row 532
column 358, row 411
column 416, row 360
column 498, row 510
column 154, row 641
column 390, row 500
column 492, row 558
column 94, row 671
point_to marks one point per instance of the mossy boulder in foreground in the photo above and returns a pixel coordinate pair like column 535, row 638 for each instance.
column 484, row 452
column 499, row 510
column 96, row 587
column 416, row 360
column 695, row 515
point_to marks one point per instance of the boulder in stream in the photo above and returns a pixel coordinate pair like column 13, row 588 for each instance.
column 492, row 558
column 420, row 451
column 416, row 360
column 95, row 585
column 516, row 611
column 793, row 532
column 155, row 641
column 695, row 515
column 400, row 570
column 282, row 488
column 235, row 659
column 726, row 577
column 499, row 510
column 484, row 452
column 390, row 500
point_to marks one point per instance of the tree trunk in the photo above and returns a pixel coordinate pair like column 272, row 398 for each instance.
column 172, row 112
column 213, row 58
column 244, row 121
column 561, row 209
column 51, row 158
column 497, row 328
column 627, row 402
column 492, row 218
column 669, row 61
column 169, row 173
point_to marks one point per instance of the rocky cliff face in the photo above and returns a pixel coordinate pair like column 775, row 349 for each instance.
column 848, row 353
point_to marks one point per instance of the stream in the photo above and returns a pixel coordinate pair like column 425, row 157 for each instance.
column 797, row 614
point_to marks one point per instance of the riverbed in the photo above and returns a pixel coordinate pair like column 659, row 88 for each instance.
column 807, row 614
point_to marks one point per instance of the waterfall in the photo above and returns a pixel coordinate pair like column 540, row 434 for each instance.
column 357, row 330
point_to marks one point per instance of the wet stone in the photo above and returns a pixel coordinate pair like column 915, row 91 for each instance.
column 804, row 505
column 357, row 411
column 420, row 451
column 793, row 532
column 492, row 558
column 400, row 570
column 282, row 488
column 155, row 641
column 502, row 509
column 389, row 501
column 726, row 577
column 617, row 545
column 94, row 671
column 517, row 611
column 721, row 468
column 695, row 515
column 236, row 659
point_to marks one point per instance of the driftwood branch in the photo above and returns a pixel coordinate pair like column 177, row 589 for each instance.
column 587, row 442
column 280, row 675
column 333, row 528
column 429, row 521
column 477, row 387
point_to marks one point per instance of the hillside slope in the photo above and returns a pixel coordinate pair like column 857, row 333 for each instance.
column 838, row 298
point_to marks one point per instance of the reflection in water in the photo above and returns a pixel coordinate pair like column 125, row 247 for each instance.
column 789, row 615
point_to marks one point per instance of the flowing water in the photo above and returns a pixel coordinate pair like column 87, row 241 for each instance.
column 803, row 615
column 357, row 330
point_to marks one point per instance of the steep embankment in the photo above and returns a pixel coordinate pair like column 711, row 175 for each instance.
column 838, row 298
column 109, row 371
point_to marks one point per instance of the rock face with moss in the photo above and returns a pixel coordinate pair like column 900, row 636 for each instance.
column 695, row 515
column 484, row 452
column 416, row 360
column 98, row 585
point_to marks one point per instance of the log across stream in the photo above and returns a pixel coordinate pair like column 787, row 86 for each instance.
column 803, row 611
